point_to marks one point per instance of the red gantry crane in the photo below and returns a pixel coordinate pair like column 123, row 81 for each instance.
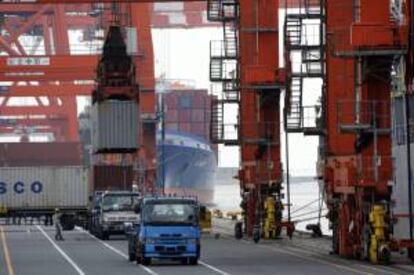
column 360, row 47
column 354, row 51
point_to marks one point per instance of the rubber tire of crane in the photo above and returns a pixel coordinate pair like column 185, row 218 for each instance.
column 411, row 253
column 238, row 230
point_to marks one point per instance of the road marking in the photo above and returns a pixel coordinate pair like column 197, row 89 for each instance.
column 113, row 249
column 382, row 270
column 67, row 258
column 10, row 269
column 298, row 252
column 213, row 268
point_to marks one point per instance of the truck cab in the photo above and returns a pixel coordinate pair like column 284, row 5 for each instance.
column 168, row 229
column 111, row 210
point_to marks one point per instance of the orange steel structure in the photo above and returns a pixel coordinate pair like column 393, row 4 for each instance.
column 362, row 43
column 357, row 47
column 41, row 61
column 259, row 82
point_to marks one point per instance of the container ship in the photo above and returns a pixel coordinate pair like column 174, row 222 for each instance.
column 188, row 161
column 188, row 165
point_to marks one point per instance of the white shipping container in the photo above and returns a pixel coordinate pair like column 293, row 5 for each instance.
column 115, row 125
column 132, row 41
column 44, row 187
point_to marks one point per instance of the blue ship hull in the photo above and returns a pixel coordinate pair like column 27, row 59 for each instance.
column 189, row 166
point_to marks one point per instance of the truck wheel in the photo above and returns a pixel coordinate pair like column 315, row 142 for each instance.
column 132, row 257
column 193, row 261
column 184, row 261
column 146, row 260
column 105, row 236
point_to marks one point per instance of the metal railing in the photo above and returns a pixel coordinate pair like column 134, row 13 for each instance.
column 363, row 115
column 371, row 170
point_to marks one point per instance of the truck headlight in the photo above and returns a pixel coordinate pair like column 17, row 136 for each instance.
column 150, row 241
column 192, row 241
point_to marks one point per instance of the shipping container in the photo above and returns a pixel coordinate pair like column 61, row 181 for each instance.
column 112, row 177
column 199, row 129
column 41, row 188
column 115, row 126
column 171, row 101
column 171, row 116
column 184, row 116
column 171, row 126
column 198, row 115
column 185, row 127
column 25, row 154
column 198, row 100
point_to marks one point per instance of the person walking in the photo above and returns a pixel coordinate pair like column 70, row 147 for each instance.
column 58, row 228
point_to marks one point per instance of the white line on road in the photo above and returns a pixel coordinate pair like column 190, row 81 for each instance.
column 113, row 249
column 6, row 252
column 213, row 268
column 67, row 258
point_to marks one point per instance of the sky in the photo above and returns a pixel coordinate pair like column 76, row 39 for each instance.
column 184, row 54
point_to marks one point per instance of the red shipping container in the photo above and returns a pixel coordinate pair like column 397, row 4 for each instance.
column 184, row 116
column 199, row 129
column 198, row 100
column 111, row 177
column 185, row 127
column 171, row 116
column 40, row 154
column 171, row 126
column 198, row 115
column 170, row 101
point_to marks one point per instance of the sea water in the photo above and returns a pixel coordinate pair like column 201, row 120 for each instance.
column 305, row 203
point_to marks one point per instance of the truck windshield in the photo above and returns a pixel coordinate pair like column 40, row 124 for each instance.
column 119, row 202
column 169, row 213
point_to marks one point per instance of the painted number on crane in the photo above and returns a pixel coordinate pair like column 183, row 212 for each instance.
column 20, row 187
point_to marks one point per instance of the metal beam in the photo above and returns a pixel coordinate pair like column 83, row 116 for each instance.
column 48, row 68
column 90, row 1
column 62, row 90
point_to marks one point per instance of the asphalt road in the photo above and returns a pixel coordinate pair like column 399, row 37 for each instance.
column 31, row 250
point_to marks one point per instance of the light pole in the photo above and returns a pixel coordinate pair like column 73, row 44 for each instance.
column 161, row 120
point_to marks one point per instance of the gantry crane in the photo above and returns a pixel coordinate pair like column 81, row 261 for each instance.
column 355, row 55
column 359, row 47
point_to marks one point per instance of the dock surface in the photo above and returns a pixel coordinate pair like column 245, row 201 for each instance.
column 31, row 250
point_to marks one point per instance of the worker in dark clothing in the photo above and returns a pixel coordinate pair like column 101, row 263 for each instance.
column 56, row 221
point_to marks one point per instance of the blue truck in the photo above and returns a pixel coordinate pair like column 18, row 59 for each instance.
column 168, row 229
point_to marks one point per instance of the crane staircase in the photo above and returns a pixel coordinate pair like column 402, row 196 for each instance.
column 300, row 38
column 224, row 69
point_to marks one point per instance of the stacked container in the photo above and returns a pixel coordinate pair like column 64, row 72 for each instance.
column 188, row 111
